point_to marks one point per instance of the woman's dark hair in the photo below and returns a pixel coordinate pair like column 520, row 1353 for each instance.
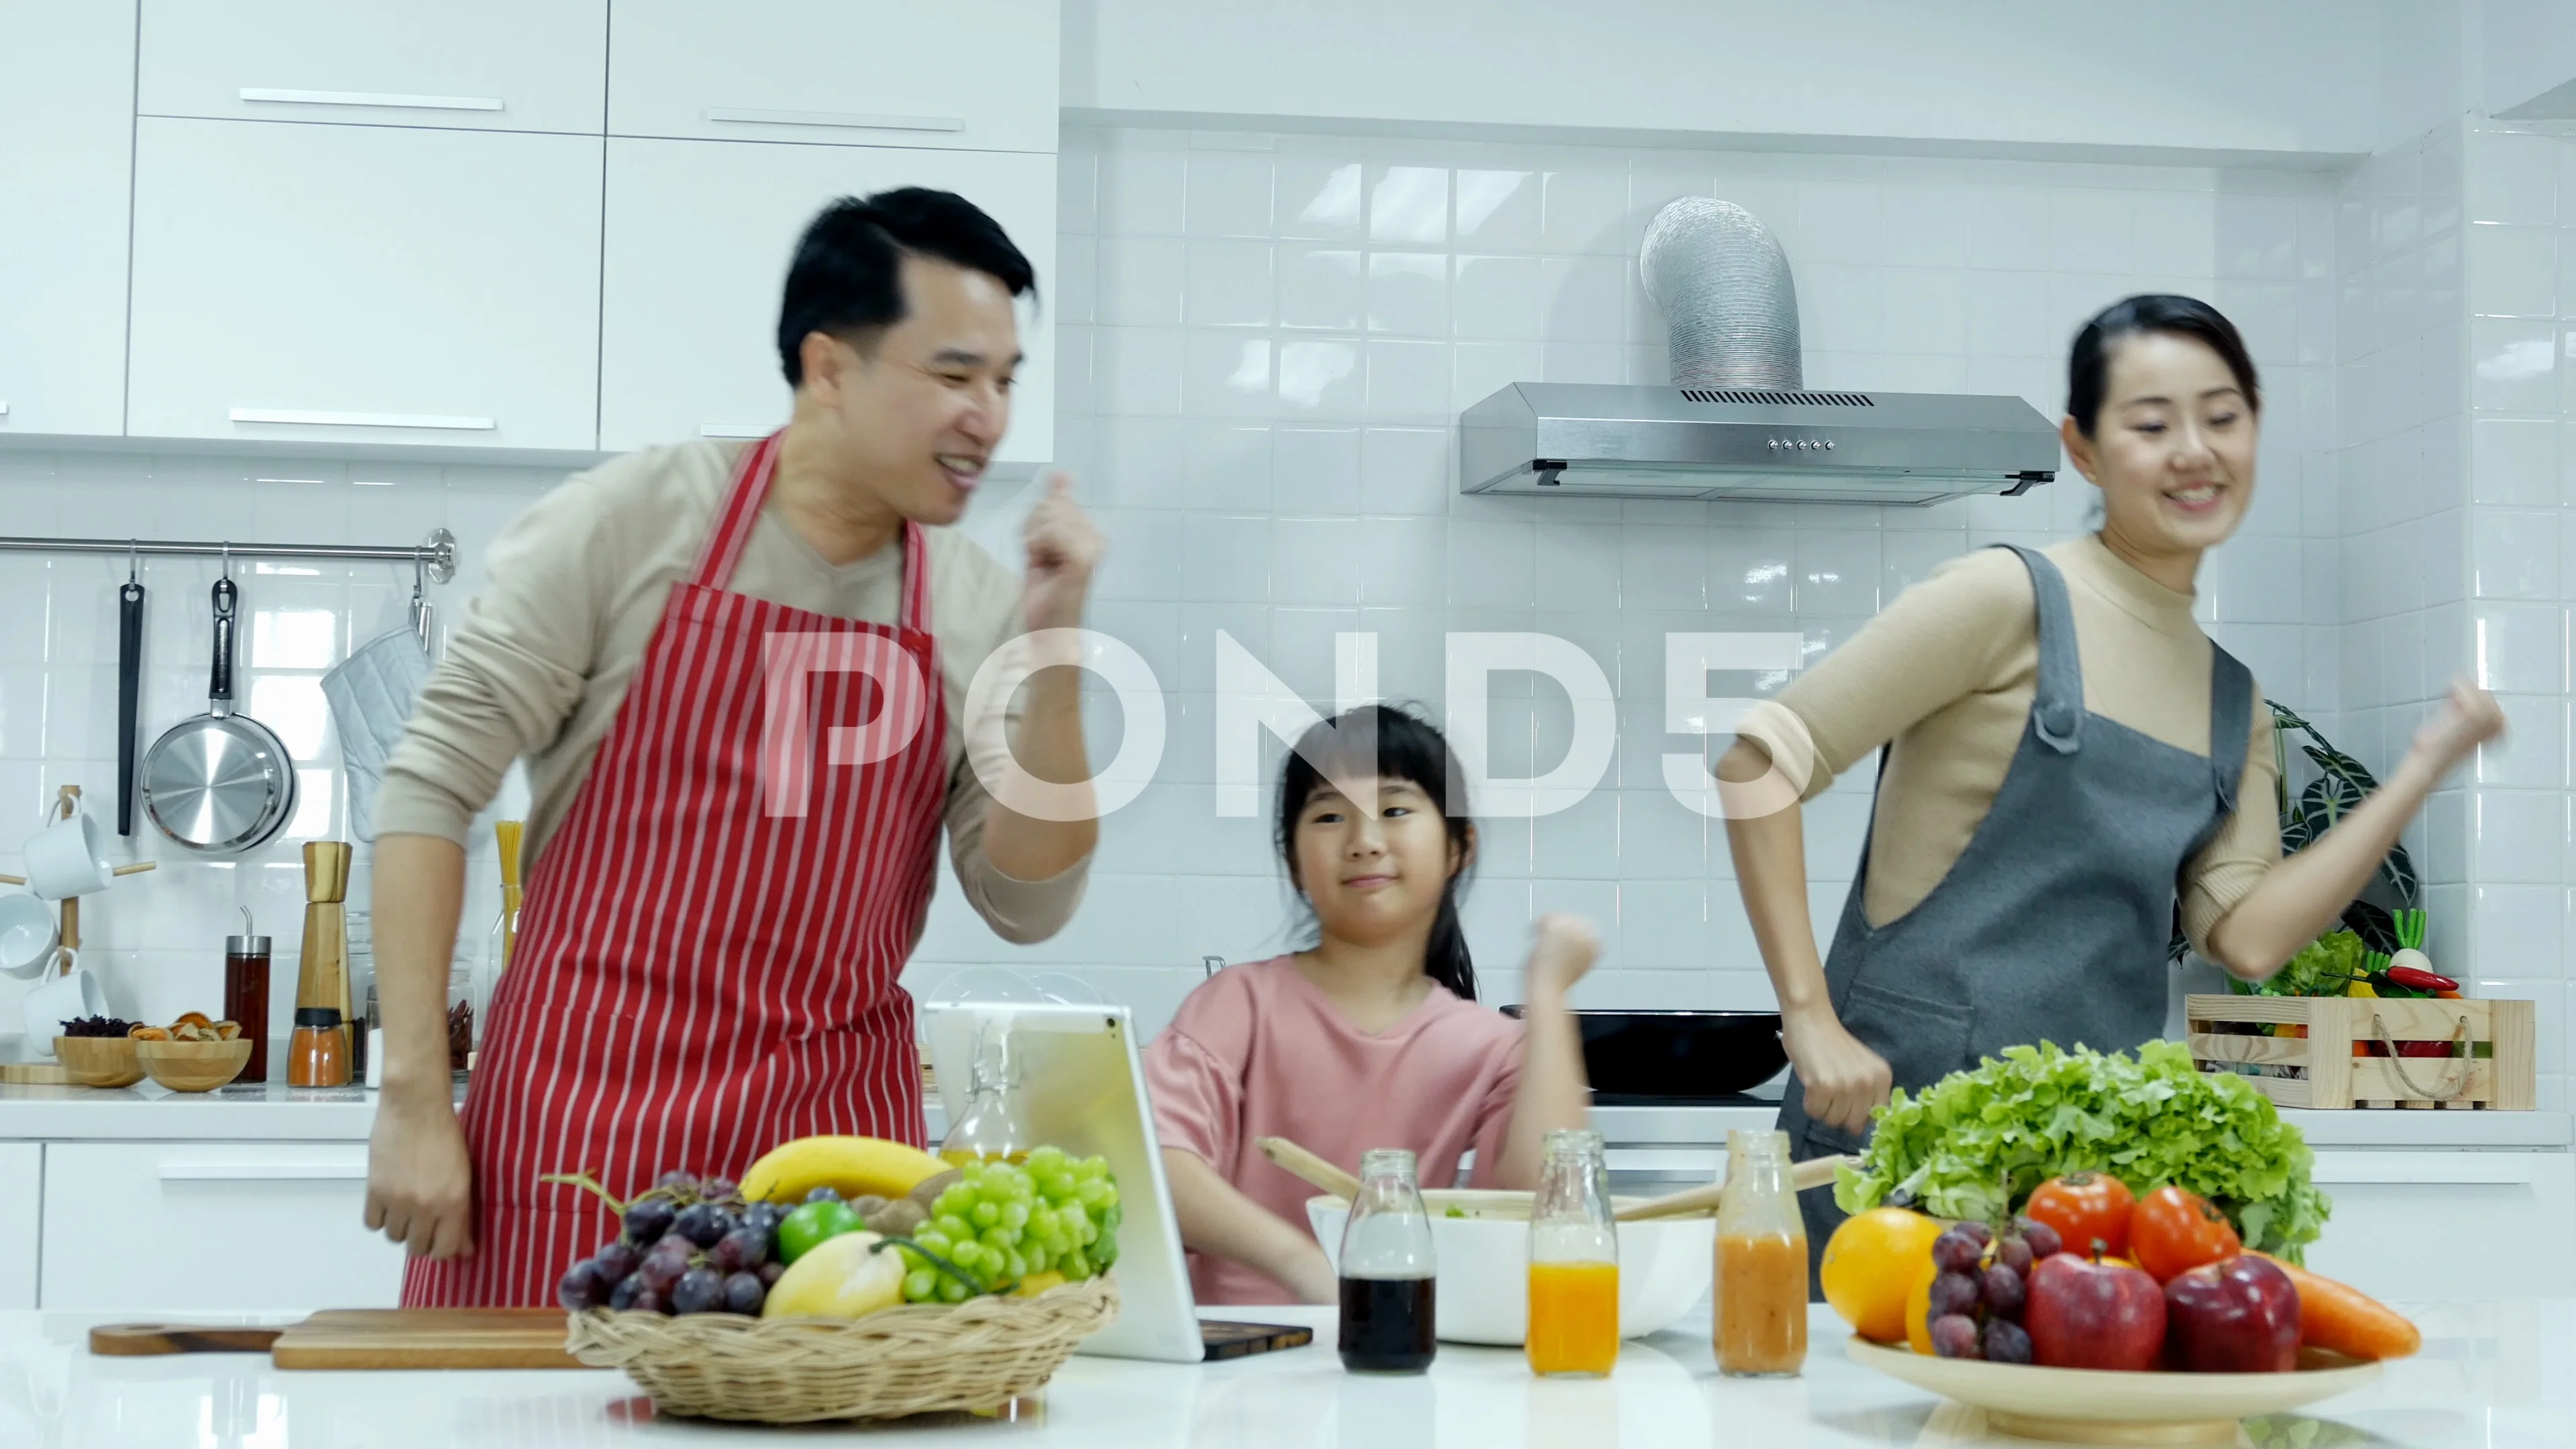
column 2088, row 364
column 1379, row 741
column 847, row 278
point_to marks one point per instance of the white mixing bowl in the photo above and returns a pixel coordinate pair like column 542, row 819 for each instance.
column 1482, row 1291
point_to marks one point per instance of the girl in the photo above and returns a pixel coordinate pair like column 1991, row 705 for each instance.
column 2071, row 765
column 1369, row 1038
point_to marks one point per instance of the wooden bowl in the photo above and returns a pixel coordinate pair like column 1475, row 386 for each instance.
column 99, row 1061
column 2097, row 1406
column 192, row 1066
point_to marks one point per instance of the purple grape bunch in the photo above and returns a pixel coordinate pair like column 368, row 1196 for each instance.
column 1977, row 1295
column 690, row 1244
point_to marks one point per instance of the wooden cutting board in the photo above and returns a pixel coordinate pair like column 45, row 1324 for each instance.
column 366, row 1338
column 34, row 1074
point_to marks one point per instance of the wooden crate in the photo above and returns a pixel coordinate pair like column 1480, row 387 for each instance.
column 2334, row 1077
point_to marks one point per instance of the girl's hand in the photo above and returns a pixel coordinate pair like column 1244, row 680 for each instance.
column 2470, row 717
column 1842, row 1077
column 1562, row 949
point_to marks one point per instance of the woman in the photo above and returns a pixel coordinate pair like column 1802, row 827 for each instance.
column 2068, row 758
column 1371, row 1037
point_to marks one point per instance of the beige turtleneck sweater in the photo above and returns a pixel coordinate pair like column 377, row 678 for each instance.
column 1947, row 672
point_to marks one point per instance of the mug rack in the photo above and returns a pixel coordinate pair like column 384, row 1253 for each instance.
column 66, row 801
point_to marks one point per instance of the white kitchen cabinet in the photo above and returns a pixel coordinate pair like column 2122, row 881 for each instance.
column 486, row 65
column 365, row 284
column 66, row 149
column 968, row 74
column 699, row 236
column 22, row 1169
column 2435, row 1226
column 216, row 1226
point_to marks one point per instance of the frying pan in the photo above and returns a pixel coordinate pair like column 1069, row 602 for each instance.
column 219, row 783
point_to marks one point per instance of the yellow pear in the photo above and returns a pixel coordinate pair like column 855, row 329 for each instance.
column 838, row 1278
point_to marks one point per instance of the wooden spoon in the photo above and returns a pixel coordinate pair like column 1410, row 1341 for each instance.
column 1698, row 1201
column 1701, row 1201
column 1308, row 1168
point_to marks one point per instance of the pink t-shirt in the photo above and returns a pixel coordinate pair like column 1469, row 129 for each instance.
column 1258, row 1051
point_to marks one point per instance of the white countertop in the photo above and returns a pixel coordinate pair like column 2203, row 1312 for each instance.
column 2492, row 1376
column 148, row 1112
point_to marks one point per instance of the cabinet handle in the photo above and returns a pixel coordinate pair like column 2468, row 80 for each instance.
column 2448, row 1169
column 302, row 417
column 844, row 119
column 718, row 430
column 263, row 1172
column 273, row 96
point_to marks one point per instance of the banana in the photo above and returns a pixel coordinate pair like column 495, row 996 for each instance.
column 853, row 1166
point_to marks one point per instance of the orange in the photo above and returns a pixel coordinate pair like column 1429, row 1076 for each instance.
column 1872, row 1263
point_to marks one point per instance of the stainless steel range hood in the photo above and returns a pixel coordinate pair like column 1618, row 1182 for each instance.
column 1597, row 440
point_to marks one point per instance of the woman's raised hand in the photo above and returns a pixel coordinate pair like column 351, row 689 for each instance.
column 2469, row 717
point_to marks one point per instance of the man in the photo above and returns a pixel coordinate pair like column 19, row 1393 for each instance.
column 736, row 673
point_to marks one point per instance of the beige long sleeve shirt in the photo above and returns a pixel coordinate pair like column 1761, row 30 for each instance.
column 1946, row 675
column 543, row 658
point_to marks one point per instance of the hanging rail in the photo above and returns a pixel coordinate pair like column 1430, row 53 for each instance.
column 436, row 554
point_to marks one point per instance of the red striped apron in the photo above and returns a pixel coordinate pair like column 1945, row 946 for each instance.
column 707, row 958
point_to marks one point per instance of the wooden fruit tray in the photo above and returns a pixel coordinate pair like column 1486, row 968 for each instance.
column 2327, row 1073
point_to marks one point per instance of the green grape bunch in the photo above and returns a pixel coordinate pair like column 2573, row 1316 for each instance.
column 1007, row 1222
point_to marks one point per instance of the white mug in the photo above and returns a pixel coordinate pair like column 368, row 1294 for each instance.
column 68, row 857
column 28, row 934
column 59, row 999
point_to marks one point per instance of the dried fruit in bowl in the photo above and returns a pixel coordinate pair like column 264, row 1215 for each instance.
column 193, row 1018
column 228, row 1031
column 150, row 1033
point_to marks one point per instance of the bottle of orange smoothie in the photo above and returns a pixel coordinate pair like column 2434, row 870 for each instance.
column 1573, row 1262
column 1761, row 1261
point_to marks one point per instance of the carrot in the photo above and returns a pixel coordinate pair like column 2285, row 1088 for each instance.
column 2342, row 1319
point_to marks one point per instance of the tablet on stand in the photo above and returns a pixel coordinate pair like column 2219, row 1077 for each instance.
column 1081, row 1087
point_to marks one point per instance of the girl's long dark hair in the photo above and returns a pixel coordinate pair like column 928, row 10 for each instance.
column 1380, row 741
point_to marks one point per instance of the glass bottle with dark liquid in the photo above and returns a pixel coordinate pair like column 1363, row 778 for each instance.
column 1388, row 1313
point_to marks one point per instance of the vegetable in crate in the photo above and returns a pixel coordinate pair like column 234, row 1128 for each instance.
column 1973, row 1144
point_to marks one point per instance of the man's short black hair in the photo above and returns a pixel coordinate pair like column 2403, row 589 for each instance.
column 847, row 279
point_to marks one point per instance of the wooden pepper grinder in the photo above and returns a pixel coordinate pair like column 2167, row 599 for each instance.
column 322, row 975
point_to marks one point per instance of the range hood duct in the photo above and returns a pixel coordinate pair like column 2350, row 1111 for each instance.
column 1730, row 308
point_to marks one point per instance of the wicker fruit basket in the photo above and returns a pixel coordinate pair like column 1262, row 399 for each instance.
column 916, row 1359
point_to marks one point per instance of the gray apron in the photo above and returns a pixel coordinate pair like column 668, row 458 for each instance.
column 2053, row 923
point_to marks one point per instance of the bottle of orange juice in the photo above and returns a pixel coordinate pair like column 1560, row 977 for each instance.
column 1573, row 1261
column 1761, row 1261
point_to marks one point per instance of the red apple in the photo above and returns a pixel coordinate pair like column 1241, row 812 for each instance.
column 2093, row 1315
column 2238, row 1316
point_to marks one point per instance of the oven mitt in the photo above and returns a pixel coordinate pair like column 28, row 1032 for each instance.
column 371, row 695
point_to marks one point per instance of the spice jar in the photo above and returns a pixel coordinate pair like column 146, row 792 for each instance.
column 246, row 978
column 1761, row 1261
column 318, row 1054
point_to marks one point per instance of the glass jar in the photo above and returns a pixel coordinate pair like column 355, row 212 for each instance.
column 1389, row 1317
column 246, row 982
column 318, row 1054
column 1573, row 1261
column 461, row 1026
column 989, row 1130
column 1761, row 1261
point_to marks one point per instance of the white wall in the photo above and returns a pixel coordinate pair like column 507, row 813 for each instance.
column 1265, row 340
column 2221, row 75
